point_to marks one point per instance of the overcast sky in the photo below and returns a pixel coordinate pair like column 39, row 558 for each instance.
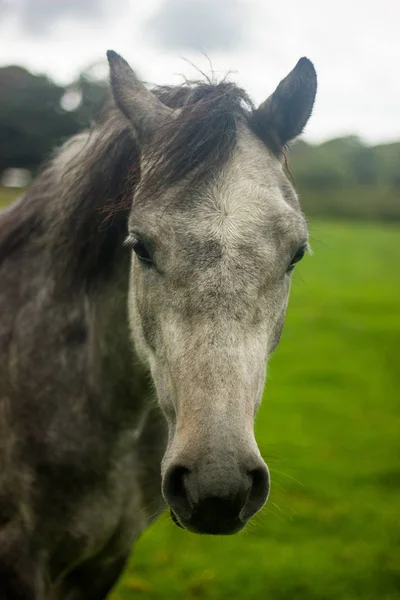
column 354, row 44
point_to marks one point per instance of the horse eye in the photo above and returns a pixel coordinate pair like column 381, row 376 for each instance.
column 141, row 251
column 296, row 258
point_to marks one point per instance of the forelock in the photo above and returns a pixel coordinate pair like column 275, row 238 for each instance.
column 202, row 136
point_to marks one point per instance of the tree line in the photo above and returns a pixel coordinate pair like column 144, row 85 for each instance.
column 36, row 114
column 344, row 178
column 341, row 178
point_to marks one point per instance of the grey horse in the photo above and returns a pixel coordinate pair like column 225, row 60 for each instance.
column 144, row 283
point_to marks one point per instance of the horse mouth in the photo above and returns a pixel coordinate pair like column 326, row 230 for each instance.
column 175, row 519
column 212, row 528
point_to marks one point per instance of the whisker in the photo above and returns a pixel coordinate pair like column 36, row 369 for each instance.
column 288, row 476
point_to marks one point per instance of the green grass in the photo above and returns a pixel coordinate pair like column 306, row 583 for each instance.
column 7, row 195
column 329, row 428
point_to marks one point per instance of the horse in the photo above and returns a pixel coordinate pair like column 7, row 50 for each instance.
column 145, row 277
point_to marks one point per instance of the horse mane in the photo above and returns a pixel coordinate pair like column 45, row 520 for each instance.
column 81, row 205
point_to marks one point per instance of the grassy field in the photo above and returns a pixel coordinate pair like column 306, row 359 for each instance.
column 329, row 428
column 7, row 195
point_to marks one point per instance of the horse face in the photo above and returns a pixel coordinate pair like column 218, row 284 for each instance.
column 209, row 286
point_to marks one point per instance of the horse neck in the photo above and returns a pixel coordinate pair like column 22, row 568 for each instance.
column 90, row 263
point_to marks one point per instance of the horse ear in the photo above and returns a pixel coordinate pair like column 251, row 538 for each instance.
column 285, row 113
column 145, row 112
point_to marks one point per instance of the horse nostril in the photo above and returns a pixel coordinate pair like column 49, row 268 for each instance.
column 260, row 480
column 175, row 491
column 258, row 493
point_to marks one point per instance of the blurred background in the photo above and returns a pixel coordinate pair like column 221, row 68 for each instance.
column 329, row 426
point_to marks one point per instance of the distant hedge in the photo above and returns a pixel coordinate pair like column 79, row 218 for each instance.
column 372, row 203
column 343, row 178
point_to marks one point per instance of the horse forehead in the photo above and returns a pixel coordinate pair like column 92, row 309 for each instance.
column 252, row 159
column 249, row 181
column 250, row 194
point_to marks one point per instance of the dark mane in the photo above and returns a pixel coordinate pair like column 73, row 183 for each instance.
column 96, row 194
column 87, row 207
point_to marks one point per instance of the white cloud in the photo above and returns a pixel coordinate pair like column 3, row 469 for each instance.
column 37, row 17
column 203, row 24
